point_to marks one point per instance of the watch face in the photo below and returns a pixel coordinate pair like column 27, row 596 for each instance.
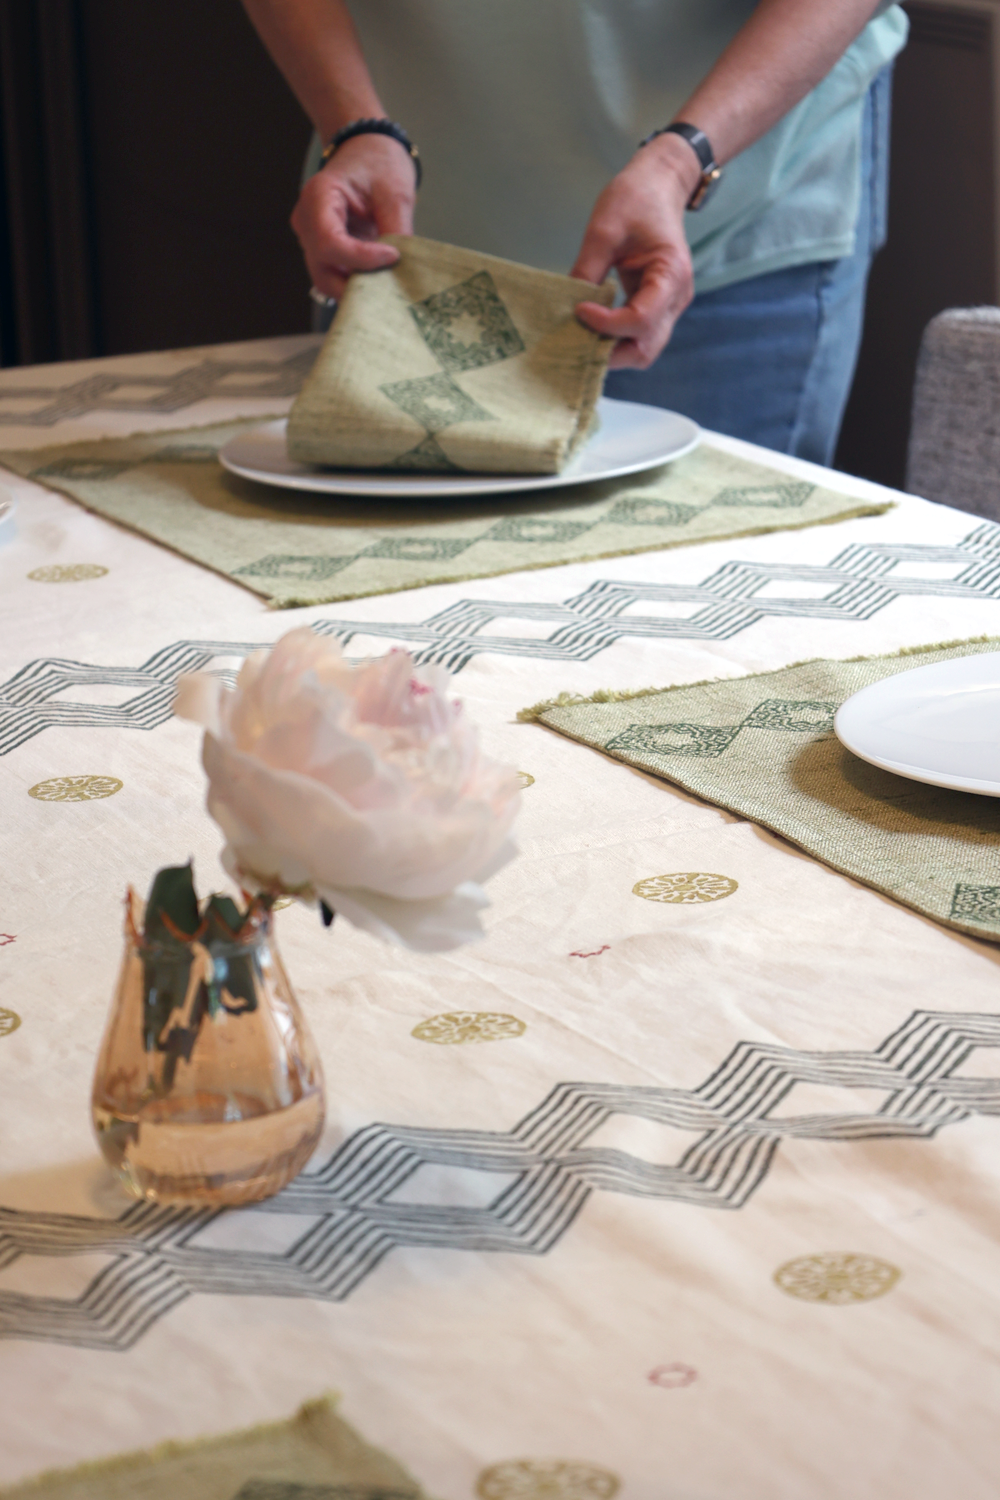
column 709, row 182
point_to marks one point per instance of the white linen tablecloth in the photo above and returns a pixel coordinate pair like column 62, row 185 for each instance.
column 631, row 1324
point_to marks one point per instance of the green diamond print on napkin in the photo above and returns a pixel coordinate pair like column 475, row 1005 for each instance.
column 468, row 325
column 90, row 469
column 181, row 453
column 537, row 529
column 426, row 455
column 642, row 511
column 528, row 373
column 793, row 494
column 276, row 1489
column 976, row 903
column 673, row 739
column 435, row 401
column 702, row 739
column 284, row 566
column 932, row 849
column 794, row 716
column 419, row 548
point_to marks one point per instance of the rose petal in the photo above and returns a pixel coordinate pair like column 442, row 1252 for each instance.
column 198, row 697
column 362, row 781
column 400, row 852
column 425, row 926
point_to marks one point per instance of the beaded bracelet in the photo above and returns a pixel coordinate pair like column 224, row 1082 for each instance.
column 375, row 127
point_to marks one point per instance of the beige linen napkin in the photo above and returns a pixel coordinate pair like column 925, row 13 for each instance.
column 453, row 360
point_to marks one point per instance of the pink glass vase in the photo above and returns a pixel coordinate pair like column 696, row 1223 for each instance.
column 208, row 1087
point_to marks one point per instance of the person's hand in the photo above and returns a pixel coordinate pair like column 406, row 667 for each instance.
column 637, row 227
column 367, row 188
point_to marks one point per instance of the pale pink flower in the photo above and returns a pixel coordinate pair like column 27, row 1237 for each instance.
column 356, row 782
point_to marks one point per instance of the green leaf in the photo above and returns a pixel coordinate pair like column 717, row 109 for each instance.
column 166, row 958
column 223, row 916
column 165, row 981
column 172, row 900
column 233, row 987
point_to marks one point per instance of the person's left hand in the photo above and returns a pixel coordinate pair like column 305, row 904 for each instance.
column 637, row 227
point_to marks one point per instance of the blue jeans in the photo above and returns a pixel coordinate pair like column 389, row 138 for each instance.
column 771, row 359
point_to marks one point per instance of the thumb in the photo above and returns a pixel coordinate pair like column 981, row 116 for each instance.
column 370, row 255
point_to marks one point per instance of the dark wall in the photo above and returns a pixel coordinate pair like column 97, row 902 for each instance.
column 941, row 250
column 151, row 159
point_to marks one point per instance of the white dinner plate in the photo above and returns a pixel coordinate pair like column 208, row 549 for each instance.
column 939, row 723
column 631, row 437
column 7, row 509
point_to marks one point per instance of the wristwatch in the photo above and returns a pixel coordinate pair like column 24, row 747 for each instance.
column 711, row 172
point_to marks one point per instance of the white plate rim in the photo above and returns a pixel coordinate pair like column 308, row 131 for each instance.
column 984, row 787
column 8, row 510
column 360, row 482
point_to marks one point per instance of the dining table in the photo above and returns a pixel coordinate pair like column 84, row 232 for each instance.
column 695, row 1183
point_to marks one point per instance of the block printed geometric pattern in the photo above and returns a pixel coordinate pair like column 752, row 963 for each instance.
column 280, row 1489
column 837, row 1277
column 630, row 510
column 861, row 580
column 976, row 903
column 546, row 1479
column 465, row 327
column 435, row 401
column 473, row 307
column 426, row 455
column 170, row 392
column 791, row 495
column 157, row 1255
column 709, row 740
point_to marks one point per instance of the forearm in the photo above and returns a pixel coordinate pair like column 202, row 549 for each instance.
column 782, row 52
column 315, row 45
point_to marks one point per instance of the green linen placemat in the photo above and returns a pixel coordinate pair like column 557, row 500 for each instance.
column 764, row 747
column 314, row 1456
column 295, row 548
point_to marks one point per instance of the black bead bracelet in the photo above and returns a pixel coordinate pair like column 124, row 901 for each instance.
column 375, row 127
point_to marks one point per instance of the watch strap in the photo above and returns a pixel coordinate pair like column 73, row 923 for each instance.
column 711, row 172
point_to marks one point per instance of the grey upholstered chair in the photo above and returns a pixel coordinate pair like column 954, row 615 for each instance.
column 954, row 453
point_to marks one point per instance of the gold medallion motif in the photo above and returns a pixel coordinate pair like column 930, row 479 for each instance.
column 9, row 1021
column 524, row 779
column 457, row 1026
column 67, row 572
column 75, row 788
column 546, row 1479
column 685, row 888
column 837, row 1277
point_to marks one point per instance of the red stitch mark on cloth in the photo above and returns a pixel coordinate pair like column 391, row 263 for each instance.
column 577, row 953
column 7, row 937
column 672, row 1377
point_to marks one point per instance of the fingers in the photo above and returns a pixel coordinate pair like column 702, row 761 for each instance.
column 338, row 221
column 393, row 210
column 661, row 289
column 595, row 260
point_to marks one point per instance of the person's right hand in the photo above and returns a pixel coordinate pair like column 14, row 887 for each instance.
column 367, row 188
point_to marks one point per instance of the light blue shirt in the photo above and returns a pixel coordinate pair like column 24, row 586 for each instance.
column 524, row 109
